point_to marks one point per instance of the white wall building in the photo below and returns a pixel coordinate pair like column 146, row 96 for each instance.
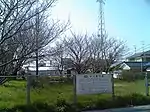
column 45, row 68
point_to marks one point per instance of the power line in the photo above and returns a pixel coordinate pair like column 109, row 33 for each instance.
column 139, row 50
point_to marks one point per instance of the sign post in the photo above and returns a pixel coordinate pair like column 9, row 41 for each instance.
column 74, row 91
column 113, row 91
column 146, row 84
column 94, row 84
column 28, row 89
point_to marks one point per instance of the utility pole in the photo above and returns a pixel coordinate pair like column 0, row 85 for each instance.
column 37, row 38
column 142, row 57
column 145, row 72
column 134, row 49
column 62, row 63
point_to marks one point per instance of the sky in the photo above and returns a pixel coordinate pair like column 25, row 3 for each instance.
column 128, row 20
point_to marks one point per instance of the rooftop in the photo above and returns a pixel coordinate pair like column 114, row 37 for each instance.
column 132, row 64
column 33, row 68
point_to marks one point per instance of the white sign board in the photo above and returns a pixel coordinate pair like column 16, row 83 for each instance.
column 93, row 83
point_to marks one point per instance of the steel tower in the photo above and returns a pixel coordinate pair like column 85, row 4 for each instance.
column 101, row 20
column 101, row 33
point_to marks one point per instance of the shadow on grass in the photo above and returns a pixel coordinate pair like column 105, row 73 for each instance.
column 10, row 86
column 32, row 108
column 62, row 105
column 40, row 107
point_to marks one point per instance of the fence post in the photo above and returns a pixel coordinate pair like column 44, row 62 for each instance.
column 113, row 91
column 28, row 90
column 146, row 84
column 74, row 91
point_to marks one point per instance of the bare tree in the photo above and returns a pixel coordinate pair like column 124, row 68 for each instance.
column 96, row 50
column 78, row 50
column 18, row 32
column 89, row 53
column 114, row 51
column 58, row 56
column 15, row 13
column 106, row 53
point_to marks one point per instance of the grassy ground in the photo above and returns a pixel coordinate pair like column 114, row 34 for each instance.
column 122, row 88
column 14, row 92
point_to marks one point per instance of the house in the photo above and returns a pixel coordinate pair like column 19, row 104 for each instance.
column 44, row 68
column 137, row 62
column 134, row 66
column 49, row 67
column 138, row 57
column 67, row 63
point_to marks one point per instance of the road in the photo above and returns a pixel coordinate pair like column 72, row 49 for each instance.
column 130, row 109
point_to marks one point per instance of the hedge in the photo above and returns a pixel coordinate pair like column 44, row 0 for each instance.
column 133, row 76
column 62, row 106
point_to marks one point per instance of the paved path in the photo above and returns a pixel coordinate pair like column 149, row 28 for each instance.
column 131, row 109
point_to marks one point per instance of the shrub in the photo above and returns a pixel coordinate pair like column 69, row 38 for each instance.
column 62, row 79
column 138, row 99
column 118, row 102
column 35, row 107
column 35, row 83
column 43, row 107
column 132, row 75
column 62, row 105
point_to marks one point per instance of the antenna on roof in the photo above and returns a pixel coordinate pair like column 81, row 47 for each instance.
column 134, row 49
column 143, row 54
column 142, row 45
column 142, row 57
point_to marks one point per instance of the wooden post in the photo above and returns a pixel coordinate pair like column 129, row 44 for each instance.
column 74, row 91
column 113, row 91
column 146, row 84
column 28, row 90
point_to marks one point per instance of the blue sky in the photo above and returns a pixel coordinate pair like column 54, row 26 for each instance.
column 128, row 20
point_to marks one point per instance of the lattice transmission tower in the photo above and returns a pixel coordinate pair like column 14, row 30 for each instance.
column 101, row 33
column 101, row 19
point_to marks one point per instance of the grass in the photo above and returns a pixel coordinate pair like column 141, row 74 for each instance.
column 123, row 88
column 14, row 93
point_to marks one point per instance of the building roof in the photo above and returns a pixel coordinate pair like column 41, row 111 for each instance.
column 136, row 64
column 148, row 64
column 33, row 68
column 116, row 64
column 131, row 65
